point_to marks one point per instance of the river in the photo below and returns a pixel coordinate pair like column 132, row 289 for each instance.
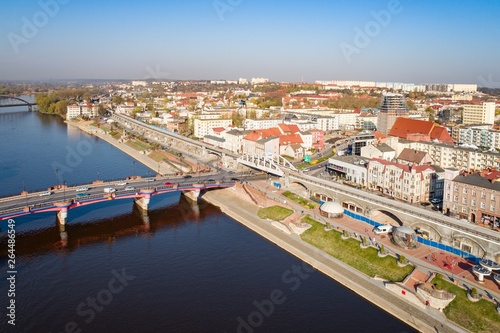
column 180, row 268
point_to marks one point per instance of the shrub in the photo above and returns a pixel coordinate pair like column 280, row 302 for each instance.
column 439, row 275
column 365, row 242
column 402, row 259
column 382, row 249
column 473, row 293
column 345, row 233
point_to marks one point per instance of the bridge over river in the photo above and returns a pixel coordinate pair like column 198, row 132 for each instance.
column 11, row 101
column 63, row 199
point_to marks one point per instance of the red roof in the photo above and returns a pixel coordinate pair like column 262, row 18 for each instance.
column 407, row 128
column 290, row 139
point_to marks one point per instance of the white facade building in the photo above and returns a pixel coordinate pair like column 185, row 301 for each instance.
column 479, row 113
column 202, row 127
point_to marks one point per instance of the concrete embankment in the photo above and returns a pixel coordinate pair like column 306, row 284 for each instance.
column 244, row 211
column 164, row 168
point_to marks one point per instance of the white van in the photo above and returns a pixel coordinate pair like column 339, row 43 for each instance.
column 109, row 190
column 382, row 229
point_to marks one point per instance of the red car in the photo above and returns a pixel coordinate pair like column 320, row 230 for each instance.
column 168, row 184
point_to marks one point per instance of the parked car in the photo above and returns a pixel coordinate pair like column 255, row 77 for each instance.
column 121, row 183
column 129, row 188
column 45, row 193
column 109, row 190
column 82, row 195
column 150, row 180
column 187, row 176
column 168, row 184
column 230, row 172
column 436, row 200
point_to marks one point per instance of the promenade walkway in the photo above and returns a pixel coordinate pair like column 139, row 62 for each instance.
column 235, row 203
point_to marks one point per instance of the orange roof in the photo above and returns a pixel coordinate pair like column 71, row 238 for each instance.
column 290, row 139
column 379, row 135
column 406, row 128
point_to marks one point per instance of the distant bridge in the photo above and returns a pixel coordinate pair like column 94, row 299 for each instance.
column 10, row 101
column 141, row 195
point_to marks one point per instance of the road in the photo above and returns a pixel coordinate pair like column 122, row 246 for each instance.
column 96, row 190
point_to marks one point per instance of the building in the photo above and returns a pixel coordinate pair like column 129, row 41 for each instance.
column 479, row 136
column 414, row 157
column 349, row 168
column 82, row 110
column 473, row 196
column 234, row 139
column 257, row 124
column 448, row 156
column 419, row 130
column 404, row 182
column 202, row 127
column 382, row 151
column 356, row 142
column 259, row 80
column 479, row 113
column 392, row 106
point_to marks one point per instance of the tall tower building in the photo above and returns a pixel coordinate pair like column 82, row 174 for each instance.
column 392, row 106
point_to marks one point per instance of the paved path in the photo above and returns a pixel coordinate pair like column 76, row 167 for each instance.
column 245, row 211
column 165, row 169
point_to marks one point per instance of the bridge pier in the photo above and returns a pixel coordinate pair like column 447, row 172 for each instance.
column 143, row 203
column 193, row 195
column 62, row 216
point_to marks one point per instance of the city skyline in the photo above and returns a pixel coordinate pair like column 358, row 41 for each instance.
column 393, row 41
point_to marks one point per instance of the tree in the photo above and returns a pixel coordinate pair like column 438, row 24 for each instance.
column 101, row 110
column 117, row 100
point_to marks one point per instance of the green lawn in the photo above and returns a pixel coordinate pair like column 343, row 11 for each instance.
column 276, row 213
column 478, row 316
column 137, row 145
column 348, row 251
column 300, row 200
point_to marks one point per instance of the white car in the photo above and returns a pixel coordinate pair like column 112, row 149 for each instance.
column 129, row 188
column 109, row 190
column 122, row 183
column 82, row 189
column 45, row 193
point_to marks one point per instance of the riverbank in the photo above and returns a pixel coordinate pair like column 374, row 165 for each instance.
column 163, row 168
column 233, row 203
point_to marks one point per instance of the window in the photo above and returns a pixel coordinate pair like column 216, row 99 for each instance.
column 483, row 195
column 473, row 193
column 492, row 208
column 464, row 209
column 465, row 190
column 464, row 201
column 455, row 198
column 493, row 196
column 456, row 188
column 473, row 203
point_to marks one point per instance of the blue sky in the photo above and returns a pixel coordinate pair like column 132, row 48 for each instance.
column 412, row 41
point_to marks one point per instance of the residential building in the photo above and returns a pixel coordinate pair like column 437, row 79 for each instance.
column 392, row 106
column 474, row 197
column 367, row 121
column 404, row 182
column 414, row 157
column 82, row 110
column 381, row 150
column 202, row 127
column 479, row 113
column 257, row 124
column 234, row 139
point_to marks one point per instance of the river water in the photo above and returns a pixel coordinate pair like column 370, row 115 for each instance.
column 181, row 268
